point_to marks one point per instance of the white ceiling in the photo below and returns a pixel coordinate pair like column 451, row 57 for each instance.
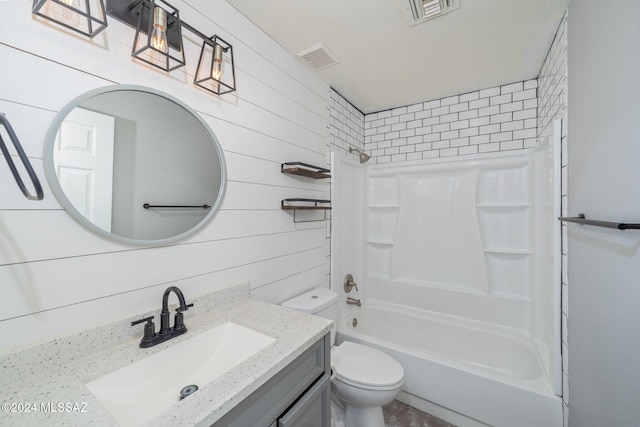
column 385, row 63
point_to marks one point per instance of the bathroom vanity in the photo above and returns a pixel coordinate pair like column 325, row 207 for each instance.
column 286, row 383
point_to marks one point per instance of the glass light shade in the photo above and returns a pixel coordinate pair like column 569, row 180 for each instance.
column 87, row 17
column 216, row 72
column 158, row 24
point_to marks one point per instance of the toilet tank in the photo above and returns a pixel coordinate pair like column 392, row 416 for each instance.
column 318, row 301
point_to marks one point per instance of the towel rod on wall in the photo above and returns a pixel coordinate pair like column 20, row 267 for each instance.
column 580, row 219
column 25, row 161
column 148, row 206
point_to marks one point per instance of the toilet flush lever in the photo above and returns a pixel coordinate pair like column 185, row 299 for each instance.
column 349, row 283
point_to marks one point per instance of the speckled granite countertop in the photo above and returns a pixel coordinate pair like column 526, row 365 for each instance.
column 37, row 379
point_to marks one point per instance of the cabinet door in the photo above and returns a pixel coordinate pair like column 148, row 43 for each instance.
column 312, row 410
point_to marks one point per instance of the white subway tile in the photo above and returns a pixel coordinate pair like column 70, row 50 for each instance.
column 530, row 123
column 392, row 120
column 441, row 127
column 485, row 93
column 398, row 142
column 431, row 121
column 495, row 128
column 389, row 136
column 399, row 158
column 448, row 118
column 391, row 151
column 440, row 144
column 513, row 87
column 530, row 103
column 526, row 133
column 459, row 142
column 450, row 100
column 398, row 126
column 470, row 149
column 448, row 152
column 502, row 136
column 512, row 125
column 424, row 147
column 384, row 144
column 384, row 114
column 500, row 118
column 414, row 124
column 480, row 103
column 431, row 104
column 399, row 111
column 414, row 108
column 471, row 96
column 531, row 84
column 511, row 145
column 525, row 94
column 471, row 114
column 486, row 148
column 481, row 139
column 463, row 106
column 431, row 154
column 449, row 135
column 486, row 111
column 407, row 133
column 422, row 114
column 460, row 124
column 432, row 137
column 440, row 111
column 512, row 106
column 383, row 129
column 423, row 130
column 480, row 121
column 530, row 142
column 524, row 114
column 414, row 156
column 469, row 132
column 408, row 149
column 407, row 117
column 500, row 99
column 415, row 139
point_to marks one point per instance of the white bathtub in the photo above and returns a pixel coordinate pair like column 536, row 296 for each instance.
column 478, row 374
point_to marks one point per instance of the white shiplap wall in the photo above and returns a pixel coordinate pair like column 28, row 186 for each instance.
column 56, row 277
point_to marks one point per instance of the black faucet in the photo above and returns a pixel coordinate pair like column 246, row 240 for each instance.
column 166, row 332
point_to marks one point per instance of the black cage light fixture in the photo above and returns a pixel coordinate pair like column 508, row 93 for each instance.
column 151, row 44
column 87, row 17
column 215, row 71
column 158, row 36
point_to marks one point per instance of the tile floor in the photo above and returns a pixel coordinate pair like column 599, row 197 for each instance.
column 398, row 414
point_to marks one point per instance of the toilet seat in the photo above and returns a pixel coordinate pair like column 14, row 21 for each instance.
column 365, row 367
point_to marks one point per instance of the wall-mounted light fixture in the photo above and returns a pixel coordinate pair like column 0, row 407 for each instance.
column 151, row 43
column 158, row 37
column 87, row 17
column 215, row 71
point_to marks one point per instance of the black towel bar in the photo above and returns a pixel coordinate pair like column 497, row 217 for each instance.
column 148, row 206
column 25, row 161
column 580, row 219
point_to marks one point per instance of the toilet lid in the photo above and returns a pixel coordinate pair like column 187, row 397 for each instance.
column 365, row 366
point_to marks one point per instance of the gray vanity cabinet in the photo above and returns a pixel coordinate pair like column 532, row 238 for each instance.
column 297, row 396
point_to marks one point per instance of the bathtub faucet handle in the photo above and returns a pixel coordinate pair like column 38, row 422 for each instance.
column 349, row 283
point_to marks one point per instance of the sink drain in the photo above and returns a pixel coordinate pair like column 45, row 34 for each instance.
column 188, row 391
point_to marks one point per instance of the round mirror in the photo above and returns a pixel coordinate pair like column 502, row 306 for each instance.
column 135, row 165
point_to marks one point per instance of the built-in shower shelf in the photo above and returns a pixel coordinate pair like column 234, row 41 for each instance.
column 508, row 252
column 380, row 242
column 305, row 169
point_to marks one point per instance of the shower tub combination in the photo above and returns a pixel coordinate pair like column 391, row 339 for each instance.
column 459, row 281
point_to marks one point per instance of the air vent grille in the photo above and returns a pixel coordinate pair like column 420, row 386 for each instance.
column 418, row 11
column 318, row 57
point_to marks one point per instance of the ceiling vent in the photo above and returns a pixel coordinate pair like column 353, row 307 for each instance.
column 419, row 11
column 318, row 57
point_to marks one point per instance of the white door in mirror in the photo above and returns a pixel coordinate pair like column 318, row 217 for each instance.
column 83, row 156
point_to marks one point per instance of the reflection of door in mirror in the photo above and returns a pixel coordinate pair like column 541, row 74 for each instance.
column 83, row 156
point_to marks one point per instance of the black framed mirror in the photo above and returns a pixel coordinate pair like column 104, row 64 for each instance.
column 135, row 165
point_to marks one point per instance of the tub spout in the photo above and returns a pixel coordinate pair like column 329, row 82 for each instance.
column 353, row 301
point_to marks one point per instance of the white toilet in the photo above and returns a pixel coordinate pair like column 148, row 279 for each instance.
column 363, row 378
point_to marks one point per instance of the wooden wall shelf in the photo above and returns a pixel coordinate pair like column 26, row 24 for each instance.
column 304, row 169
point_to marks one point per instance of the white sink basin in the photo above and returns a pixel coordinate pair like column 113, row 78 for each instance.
column 140, row 391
